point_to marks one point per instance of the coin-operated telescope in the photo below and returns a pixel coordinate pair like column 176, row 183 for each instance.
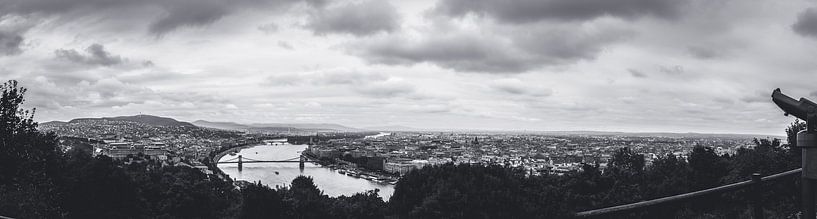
column 807, row 141
column 803, row 109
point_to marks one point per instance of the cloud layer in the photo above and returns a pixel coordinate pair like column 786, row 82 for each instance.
column 806, row 24
column 515, row 50
column 527, row 11
column 96, row 55
column 619, row 65
column 163, row 15
column 359, row 19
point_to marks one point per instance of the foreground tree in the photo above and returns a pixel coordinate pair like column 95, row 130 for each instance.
column 28, row 160
column 475, row 191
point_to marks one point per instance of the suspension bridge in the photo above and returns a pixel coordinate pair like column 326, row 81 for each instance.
column 241, row 160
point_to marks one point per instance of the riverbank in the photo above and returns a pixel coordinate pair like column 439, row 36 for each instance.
column 232, row 150
column 350, row 169
column 366, row 174
column 215, row 157
column 275, row 174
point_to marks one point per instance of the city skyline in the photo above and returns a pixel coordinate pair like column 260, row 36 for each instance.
column 317, row 128
column 631, row 66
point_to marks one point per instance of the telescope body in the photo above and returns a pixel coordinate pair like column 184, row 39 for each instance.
column 801, row 109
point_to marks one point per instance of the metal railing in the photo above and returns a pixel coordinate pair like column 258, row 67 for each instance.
column 757, row 209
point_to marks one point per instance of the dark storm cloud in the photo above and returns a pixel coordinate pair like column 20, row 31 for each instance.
column 806, row 24
column 566, row 45
column 520, row 50
column 10, row 43
column 526, row 11
column 173, row 14
column 198, row 13
column 461, row 53
column 96, row 55
column 359, row 19
column 12, row 30
column 637, row 73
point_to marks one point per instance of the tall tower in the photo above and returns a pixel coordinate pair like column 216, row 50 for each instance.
column 301, row 163
column 240, row 164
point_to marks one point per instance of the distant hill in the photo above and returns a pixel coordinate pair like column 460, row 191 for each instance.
column 146, row 119
column 393, row 128
column 53, row 123
column 276, row 127
column 221, row 125
column 309, row 126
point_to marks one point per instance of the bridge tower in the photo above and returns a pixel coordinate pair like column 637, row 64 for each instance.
column 301, row 162
column 240, row 164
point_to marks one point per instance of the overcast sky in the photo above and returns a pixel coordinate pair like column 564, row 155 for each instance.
column 609, row 65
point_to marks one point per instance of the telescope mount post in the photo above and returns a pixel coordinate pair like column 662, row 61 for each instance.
column 807, row 141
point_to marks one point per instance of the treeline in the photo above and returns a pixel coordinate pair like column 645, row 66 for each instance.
column 302, row 199
column 476, row 191
column 38, row 180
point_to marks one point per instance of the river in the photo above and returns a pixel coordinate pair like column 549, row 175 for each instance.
column 331, row 182
column 378, row 135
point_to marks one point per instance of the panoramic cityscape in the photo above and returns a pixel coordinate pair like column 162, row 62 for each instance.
column 380, row 156
column 362, row 160
column 408, row 109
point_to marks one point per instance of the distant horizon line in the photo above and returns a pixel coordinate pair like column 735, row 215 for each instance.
column 412, row 128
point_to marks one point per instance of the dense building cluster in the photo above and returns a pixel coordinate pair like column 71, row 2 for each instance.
column 537, row 153
column 166, row 143
column 394, row 153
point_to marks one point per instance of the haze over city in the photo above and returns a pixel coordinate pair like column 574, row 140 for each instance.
column 636, row 66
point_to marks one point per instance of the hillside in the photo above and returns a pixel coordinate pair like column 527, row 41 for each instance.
column 392, row 128
column 309, row 126
column 146, row 119
column 53, row 123
column 277, row 127
column 221, row 125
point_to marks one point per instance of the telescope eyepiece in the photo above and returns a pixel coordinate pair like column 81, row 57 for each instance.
column 802, row 109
